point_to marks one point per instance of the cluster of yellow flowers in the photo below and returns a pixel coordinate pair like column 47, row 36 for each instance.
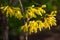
column 30, row 13
column 33, row 26
column 12, row 11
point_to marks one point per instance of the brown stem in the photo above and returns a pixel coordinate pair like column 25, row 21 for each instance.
column 26, row 36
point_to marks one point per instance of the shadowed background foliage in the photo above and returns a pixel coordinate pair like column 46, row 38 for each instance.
column 14, row 24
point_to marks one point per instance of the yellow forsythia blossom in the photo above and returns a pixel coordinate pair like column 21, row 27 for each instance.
column 43, row 6
column 33, row 26
column 53, row 13
column 35, row 10
column 25, row 28
column 12, row 11
column 18, row 15
column 30, row 15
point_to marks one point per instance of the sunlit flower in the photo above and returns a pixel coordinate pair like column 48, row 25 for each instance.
column 43, row 6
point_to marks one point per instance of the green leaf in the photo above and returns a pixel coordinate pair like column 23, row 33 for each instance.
column 49, row 5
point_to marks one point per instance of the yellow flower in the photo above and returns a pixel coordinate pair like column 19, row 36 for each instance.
column 31, row 30
column 43, row 6
column 10, row 11
column 5, row 8
column 30, row 15
column 32, row 5
column 7, row 14
column 38, row 12
column 18, row 15
column 52, row 21
column 34, row 10
column 46, row 23
column 53, row 13
column 33, row 26
column 35, row 29
column 25, row 28
column 42, row 10
column 41, row 25
column 2, row 7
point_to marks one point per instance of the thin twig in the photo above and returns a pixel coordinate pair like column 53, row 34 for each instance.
column 22, row 9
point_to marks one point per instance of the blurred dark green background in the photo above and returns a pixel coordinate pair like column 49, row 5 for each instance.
column 14, row 24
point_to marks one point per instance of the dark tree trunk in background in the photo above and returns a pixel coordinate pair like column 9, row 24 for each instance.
column 3, row 22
